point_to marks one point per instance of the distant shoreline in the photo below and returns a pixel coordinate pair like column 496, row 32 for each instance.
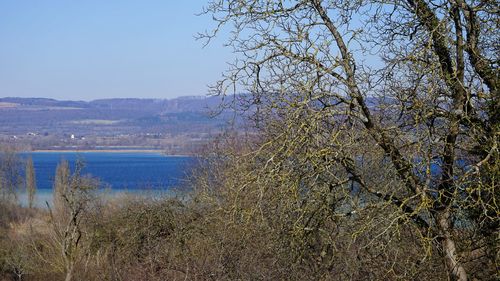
column 152, row 151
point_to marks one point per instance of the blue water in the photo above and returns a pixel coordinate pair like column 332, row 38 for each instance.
column 131, row 172
column 116, row 170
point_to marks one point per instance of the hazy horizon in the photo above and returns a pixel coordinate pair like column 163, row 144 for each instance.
column 105, row 98
column 113, row 49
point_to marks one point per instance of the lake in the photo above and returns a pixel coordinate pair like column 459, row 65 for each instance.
column 133, row 172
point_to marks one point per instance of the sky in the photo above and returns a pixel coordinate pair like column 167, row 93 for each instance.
column 92, row 49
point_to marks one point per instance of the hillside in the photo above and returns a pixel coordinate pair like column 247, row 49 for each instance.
column 41, row 123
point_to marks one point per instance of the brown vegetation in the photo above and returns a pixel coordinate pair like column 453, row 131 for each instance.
column 235, row 225
column 353, row 171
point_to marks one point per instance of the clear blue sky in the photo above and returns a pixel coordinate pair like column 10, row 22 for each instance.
column 83, row 50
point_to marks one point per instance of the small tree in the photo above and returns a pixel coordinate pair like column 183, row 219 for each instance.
column 72, row 199
column 30, row 182
column 10, row 172
column 61, row 184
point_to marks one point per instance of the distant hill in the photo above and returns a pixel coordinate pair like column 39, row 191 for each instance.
column 185, row 118
column 42, row 102
column 181, row 104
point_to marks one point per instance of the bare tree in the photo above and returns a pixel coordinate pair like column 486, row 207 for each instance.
column 72, row 198
column 10, row 172
column 61, row 184
column 392, row 105
column 30, row 182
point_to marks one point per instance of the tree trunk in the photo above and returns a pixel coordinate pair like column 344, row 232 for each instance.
column 69, row 273
column 455, row 269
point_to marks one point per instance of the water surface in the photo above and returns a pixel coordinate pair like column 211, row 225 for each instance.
column 134, row 172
